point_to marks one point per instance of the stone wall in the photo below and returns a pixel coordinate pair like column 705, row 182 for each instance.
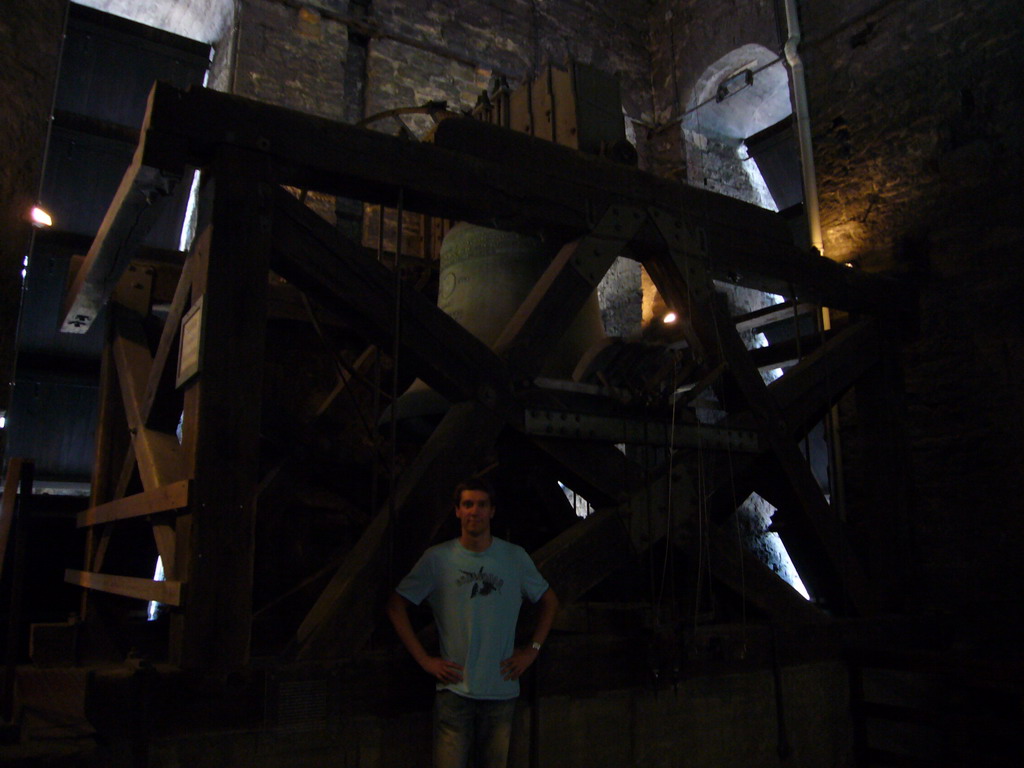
column 915, row 113
column 512, row 39
column 688, row 37
column 291, row 56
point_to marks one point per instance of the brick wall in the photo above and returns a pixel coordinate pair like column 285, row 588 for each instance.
column 294, row 57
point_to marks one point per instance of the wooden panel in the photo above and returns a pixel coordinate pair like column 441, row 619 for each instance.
column 164, row 499
column 167, row 592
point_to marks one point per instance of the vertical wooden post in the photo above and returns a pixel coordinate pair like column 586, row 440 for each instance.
column 222, row 417
column 15, row 508
column 112, row 443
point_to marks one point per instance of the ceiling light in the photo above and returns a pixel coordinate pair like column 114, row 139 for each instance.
column 40, row 218
column 670, row 318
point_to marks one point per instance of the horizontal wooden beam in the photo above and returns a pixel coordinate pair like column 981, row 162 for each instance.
column 494, row 177
column 164, row 499
column 816, row 383
column 759, row 318
column 167, row 592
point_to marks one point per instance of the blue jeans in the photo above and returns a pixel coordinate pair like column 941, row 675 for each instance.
column 471, row 732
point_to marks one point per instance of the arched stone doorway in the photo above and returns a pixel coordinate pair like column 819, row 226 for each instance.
column 741, row 94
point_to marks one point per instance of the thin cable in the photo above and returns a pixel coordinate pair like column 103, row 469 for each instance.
column 671, row 464
column 393, row 468
column 375, row 477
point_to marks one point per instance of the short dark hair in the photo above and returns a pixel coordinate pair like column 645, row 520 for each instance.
column 475, row 483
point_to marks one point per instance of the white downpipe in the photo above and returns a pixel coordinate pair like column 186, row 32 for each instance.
column 798, row 84
column 803, row 125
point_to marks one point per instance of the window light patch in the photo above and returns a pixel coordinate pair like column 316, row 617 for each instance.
column 583, row 507
column 153, row 610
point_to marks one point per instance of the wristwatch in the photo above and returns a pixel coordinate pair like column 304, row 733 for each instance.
column 535, row 645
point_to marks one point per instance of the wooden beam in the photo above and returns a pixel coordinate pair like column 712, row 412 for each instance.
column 754, row 582
column 167, row 498
column 17, row 502
column 344, row 615
column 8, row 505
column 810, row 388
column 138, row 204
column 815, row 540
column 341, row 276
column 165, row 348
column 583, row 555
column 158, row 453
column 494, row 177
column 776, row 313
column 167, row 592
column 598, row 471
column 221, row 426
column 562, row 290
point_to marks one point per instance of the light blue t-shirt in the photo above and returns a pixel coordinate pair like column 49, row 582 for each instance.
column 475, row 598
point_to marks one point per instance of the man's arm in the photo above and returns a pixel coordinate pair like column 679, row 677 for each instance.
column 436, row 667
column 513, row 667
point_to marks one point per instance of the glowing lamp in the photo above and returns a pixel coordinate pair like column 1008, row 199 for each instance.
column 40, row 218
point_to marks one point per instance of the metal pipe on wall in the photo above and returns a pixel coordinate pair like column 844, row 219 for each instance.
column 798, row 86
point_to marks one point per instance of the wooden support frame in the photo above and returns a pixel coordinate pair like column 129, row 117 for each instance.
column 474, row 172
column 817, row 543
column 250, row 226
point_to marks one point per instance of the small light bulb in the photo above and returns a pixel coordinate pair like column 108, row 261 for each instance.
column 40, row 218
column 670, row 318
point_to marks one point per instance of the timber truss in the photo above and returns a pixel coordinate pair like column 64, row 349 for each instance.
column 200, row 491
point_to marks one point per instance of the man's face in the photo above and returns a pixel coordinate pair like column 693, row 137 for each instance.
column 475, row 512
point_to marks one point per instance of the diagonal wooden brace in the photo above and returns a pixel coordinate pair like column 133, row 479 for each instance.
column 563, row 289
column 821, row 550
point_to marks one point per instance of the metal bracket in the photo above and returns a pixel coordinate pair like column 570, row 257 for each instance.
column 578, row 426
column 597, row 250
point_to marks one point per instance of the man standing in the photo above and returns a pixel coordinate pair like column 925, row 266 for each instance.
column 475, row 585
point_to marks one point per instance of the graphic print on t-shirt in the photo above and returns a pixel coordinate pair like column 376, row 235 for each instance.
column 483, row 583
